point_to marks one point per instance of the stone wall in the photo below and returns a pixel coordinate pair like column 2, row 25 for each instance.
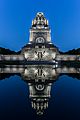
column 68, row 57
column 11, row 57
column 32, row 54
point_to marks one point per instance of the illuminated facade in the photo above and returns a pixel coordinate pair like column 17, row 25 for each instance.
column 40, row 46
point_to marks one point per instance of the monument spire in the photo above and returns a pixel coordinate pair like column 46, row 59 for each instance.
column 40, row 30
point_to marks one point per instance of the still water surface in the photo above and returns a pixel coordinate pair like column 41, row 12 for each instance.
column 63, row 101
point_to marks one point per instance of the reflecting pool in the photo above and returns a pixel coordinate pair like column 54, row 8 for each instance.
column 39, row 92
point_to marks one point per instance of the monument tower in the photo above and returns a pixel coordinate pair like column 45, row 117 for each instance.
column 40, row 47
column 40, row 31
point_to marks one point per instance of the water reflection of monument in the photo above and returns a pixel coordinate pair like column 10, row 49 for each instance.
column 40, row 72
column 39, row 79
column 39, row 94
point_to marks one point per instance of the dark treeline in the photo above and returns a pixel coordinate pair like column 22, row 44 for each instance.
column 7, row 51
column 72, row 52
